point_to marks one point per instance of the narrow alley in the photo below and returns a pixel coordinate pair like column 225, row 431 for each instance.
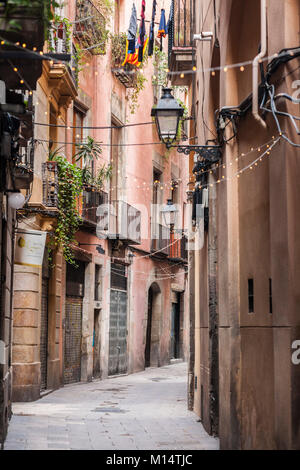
column 147, row 410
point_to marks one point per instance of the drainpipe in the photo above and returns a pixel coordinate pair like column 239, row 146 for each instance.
column 263, row 32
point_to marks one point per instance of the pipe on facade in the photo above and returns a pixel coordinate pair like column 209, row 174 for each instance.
column 255, row 64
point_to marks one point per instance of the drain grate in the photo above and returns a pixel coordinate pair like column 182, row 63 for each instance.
column 158, row 379
column 109, row 410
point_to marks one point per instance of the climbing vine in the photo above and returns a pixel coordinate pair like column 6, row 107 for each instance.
column 132, row 95
column 69, row 188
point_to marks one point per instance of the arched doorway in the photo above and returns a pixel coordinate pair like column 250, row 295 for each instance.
column 153, row 326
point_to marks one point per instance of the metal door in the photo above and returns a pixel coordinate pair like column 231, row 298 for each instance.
column 44, row 333
column 117, row 363
column 174, row 353
column 73, row 325
column 148, row 331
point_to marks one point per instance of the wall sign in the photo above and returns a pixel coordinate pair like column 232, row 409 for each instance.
column 29, row 248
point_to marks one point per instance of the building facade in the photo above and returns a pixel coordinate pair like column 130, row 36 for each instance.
column 122, row 307
column 17, row 159
column 243, row 380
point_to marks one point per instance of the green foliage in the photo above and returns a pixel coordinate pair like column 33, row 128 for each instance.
column 106, row 7
column 53, row 154
column 46, row 7
column 118, row 49
column 71, row 181
column 69, row 188
column 88, row 151
column 160, row 63
column 104, row 174
column 94, row 28
column 133, row 93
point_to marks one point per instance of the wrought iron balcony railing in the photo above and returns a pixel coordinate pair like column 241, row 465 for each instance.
column 180, row 47
column 50, row 184
column 60, row 42
column 119, row 220
column 90, row 27
column 172, row 244
column 160, row 239
column 177, row 248
column 126, row 74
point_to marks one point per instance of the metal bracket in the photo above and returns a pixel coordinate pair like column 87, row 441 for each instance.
column 209, row 154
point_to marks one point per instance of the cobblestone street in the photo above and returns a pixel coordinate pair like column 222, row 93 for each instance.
column 146, row 410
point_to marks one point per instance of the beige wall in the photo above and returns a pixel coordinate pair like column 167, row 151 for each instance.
column 257, row 237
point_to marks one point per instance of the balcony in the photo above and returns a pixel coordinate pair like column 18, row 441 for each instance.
column 50, row 184
column 91, row 200
column 62, row 76
column 177, row 248
column 90, row 27
column 60, row 42
column 160, row 239
column 23, row 24
column 125, row 74
column 181, row 52
column 169, row 244
column 119, row 221
column 17, row 147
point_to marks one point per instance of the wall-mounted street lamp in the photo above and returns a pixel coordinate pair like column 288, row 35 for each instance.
column 167, row 114
column 170, row 212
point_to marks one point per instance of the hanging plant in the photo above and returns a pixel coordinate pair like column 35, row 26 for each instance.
column 132, row 95
column 69, row 188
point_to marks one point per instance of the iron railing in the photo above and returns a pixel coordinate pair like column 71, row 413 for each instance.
column 182, row 25
column 50, row 184
column 160, row 239
column 172, row 244
column 177, row 248
column 60, row 42
column 90, row 27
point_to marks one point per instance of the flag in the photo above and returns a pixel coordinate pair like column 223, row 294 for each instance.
column 162, row 25
column 151, row 32
column 142, row 32
column 132, row 30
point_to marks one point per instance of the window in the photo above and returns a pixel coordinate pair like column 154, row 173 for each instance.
column 118, row 279
column 98, row 284
column 116, row 141
column 250, row 296
column 78, row 131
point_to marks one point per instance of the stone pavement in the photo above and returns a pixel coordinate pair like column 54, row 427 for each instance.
column 142, row 411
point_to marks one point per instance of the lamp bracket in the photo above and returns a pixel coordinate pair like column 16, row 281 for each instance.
column 209, row 154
